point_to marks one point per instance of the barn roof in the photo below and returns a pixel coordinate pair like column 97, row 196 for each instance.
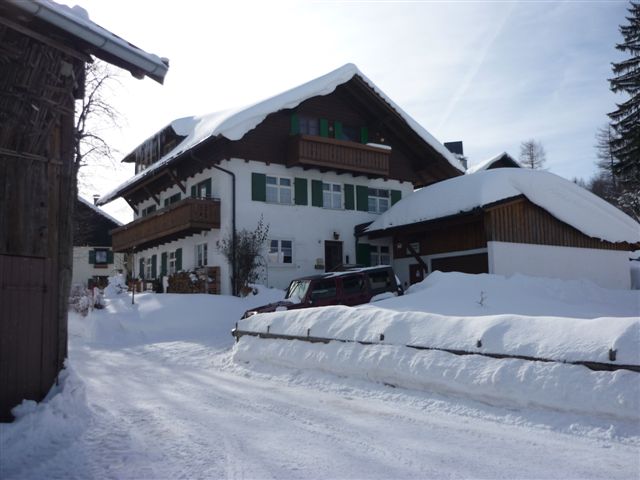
column 563, row 199
column 116, row 223
column 74, row 23
column 486, row 164
column 233, row 124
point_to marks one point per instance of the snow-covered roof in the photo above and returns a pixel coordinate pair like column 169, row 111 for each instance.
column 76, row 22
column 233, row 124
column 484, row 165
column 100, row 211
column 563, row 199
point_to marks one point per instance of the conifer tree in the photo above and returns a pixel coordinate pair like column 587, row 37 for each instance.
column 626, row 119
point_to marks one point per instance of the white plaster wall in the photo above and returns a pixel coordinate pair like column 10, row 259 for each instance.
column 83, row 270
column 607, row 268
column 308, row 227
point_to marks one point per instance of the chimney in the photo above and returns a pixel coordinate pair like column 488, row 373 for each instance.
column 95, row 198
column 458, row 151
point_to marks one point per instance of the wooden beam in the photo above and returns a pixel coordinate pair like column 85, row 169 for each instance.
column 176, row 180
column 130, row 203
column 417, row 257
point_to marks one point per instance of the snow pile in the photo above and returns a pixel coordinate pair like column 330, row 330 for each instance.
column 500, row 382
column 563, row 199
column 233, row 124
column 117, row 286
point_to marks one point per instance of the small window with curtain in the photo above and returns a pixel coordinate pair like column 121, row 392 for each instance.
column 380, row 255
column 281, row 252
column 331, row 195
column 378, row 200
column 279, row 190
column 309, row 125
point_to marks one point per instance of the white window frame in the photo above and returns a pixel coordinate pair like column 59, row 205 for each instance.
column 279, row 190
column 277, row 256
column 378, row 200
column 378, row 257
column 171, row 263
column 335, row 196
column 147, row 269
column 202, row 254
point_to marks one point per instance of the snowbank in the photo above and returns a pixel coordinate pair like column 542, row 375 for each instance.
column 563, row 199
column 502, row 382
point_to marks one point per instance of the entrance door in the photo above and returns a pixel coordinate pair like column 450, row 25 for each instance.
column 332, row 255
column 416, row 273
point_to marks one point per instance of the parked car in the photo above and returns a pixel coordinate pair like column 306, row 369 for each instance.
column 353, row 286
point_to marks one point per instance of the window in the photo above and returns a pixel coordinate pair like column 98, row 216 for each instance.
column 309, row 126
column 102, row 257
column 281, row 251
column 149, row 210
column 148, row 272
column 279, row 190
column 380, row 255
column 201, row 255
column 323, row 289
column 331, row 195
column 378, row 200
column 172, row 263
column 172, row 199
column 349, row 133
column 202, row 189
column 353, row 285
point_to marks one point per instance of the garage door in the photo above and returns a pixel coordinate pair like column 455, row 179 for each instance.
column 476, row 263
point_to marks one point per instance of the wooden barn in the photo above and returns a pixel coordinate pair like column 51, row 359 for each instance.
column 44, row 47
column 508, row 221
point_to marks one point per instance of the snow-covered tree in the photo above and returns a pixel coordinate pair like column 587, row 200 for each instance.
column 532, row 154
column 625, row 120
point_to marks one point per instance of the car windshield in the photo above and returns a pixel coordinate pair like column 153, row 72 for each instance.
column 297, row 290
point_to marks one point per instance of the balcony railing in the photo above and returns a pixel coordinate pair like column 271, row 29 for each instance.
column 312, row 151
column 184, row 218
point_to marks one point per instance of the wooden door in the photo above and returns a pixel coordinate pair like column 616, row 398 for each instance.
column 332, row 255
column 416, row 273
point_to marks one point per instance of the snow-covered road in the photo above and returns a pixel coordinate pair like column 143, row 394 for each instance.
column 187, row 411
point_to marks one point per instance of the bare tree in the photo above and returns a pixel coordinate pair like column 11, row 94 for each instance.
column 532, row 154
column 94, row 115
column 604, row 152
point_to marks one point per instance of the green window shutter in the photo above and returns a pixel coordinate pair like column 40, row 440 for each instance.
column 324, row 127
column 259, row 187
column 141, row 268
column 362, row 198
column 295, row 124
column 109, row 256
column 300, row 191
column 194, row 191
column 154, row 266
column 337, row 130
column 166, row 202
column 363, row 254
column 396, row 195
column 364, row 135
column 163, row 264
column 316, row 193
column 349, row 198
column 92, row 257
column 178, row 259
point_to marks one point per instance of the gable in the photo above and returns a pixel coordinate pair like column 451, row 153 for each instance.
column 90, row 227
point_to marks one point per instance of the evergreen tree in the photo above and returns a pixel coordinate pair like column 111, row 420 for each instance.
column 626, row 119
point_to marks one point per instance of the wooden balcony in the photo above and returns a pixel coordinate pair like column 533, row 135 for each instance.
column 184, row 218
column 329, row 153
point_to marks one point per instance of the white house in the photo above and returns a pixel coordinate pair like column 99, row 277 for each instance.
column 314, row 162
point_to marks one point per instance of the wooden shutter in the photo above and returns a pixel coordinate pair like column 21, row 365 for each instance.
column 300, row 191
column 363, row 254
column 364, row 135
column 362, row 198
column 154, row 266
column 141, row 268
column 349, row 197
column 109, row 256
column 295, row 124
column 396, row 195
column 337, row 130
column 166, row 202
column 194, row 191
column 259, row 187
column 206, row 185
column 324, row 127
column 163, row 264
column 316, row 193
column 92, row 257
column 178, row 259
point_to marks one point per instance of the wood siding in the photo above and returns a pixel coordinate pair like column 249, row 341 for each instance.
column 520, row 221
column 90, row 227
column 181, row 219
column 340, row 155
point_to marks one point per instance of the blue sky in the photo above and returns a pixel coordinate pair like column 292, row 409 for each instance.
column 491, row 74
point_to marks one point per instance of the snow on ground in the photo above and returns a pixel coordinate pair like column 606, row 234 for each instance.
column 158, row 390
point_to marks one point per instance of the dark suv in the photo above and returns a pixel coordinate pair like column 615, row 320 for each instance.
column 350, row 287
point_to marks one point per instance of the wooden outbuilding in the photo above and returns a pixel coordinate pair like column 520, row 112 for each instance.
column 44, row 47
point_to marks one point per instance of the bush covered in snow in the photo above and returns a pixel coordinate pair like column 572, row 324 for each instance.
column 117, row 285
column 80, row 300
